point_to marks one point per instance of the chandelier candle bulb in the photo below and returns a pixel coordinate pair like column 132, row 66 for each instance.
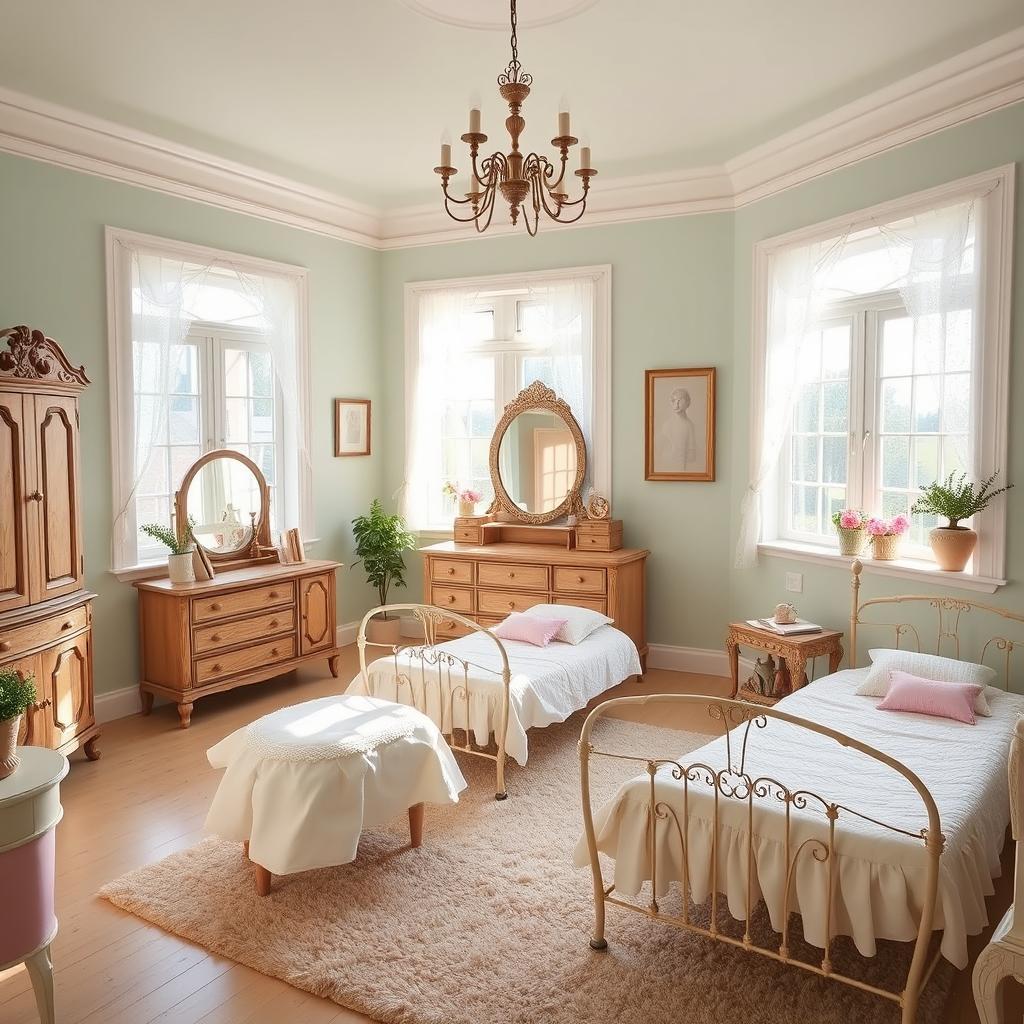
column 584, row 158
column 563, row 123
column 446, row 155
column 474, row 120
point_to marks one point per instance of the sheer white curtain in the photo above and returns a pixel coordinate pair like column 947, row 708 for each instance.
column 798, row 282
column 442, row 340
column 565, row 333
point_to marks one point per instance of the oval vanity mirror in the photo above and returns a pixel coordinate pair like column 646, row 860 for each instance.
column 219, row 497
column 538, row 458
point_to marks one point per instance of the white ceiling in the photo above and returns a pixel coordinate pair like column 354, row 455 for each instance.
column 353, row 95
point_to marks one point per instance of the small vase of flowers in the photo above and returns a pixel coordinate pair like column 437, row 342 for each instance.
column 885, row 537
column 17, row 695
column 179, row 561
column 851, row 524
column 466, row 498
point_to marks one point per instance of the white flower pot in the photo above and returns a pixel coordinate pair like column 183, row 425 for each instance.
column 179, row 568
column 9, row 759
column 467, row 508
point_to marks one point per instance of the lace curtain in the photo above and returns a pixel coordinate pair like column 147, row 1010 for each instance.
column 930, row 262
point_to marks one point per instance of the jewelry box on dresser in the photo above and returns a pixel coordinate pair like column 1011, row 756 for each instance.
column 255, row 619
column 537, row 544
column 45, row 610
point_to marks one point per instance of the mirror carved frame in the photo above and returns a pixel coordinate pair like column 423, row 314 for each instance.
column 538, row 396
column 259, row 546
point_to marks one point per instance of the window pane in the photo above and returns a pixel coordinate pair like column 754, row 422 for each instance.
column 805, row 458
column 896, row 404
column 237, row 411
column 834, row 499
column 806, row 413
column 958, row 341
column 236, row 376
column 955, row 454
column 896, row 462
column 897, row 347
column 261, row 375
column 956, row 402
column 805, row 509
column 835, row 352
column 182, row 456
column 154, row 479
column 927, row 397
column 834, row 459
column 926, row 461
column 183, row 420
column 479, row 324
column 540, row 368
column 262, row 422
column 895, row 503
column 928, row 344
column 836, row 406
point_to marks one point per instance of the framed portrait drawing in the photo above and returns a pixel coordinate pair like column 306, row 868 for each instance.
column 680, row 435
column 351, row 426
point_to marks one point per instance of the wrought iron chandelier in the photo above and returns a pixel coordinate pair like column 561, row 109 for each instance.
column 519, row 178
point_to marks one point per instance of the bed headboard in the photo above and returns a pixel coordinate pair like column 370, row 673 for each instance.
column 949, row 615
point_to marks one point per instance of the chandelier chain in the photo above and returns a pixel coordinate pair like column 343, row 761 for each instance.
column 514, row 40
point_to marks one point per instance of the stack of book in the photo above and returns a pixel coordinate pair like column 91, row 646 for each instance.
column 785, row 628
column 291, row 549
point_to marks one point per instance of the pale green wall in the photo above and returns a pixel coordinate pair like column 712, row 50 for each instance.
column 976, row 146
column 52, row 277
column 671, row 306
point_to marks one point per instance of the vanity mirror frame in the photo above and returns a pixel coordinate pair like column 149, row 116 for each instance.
column 537, row 396
column 259, row 548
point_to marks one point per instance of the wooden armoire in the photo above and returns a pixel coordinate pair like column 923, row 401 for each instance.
column 45, row 612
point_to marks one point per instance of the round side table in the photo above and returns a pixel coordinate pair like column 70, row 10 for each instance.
column 29, row 812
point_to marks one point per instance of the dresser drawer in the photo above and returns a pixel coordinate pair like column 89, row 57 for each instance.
column 37, row 634
column 501, row 602
column 457, row 598
column 467, row 535
column 580, row 581
column 228, row 634
column 449, row 629
column 237, row 662
column 445, row 570
column 241, row 601
column 593, row 603
column 503, row 574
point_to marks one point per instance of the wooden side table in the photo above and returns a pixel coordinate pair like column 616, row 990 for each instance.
column 794, row 651
column 29, row 812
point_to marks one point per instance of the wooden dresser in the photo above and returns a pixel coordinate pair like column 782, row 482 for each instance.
column 45, row 612
column 241, row 627
column 487, row 581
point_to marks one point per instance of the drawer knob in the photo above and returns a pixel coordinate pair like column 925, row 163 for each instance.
column 511, row 575
column 273, row 623
column 451, row 571
column 66, row 625
column 273, row 652
column 215, row 667
column 511, row 604
column 215, row 638
column 273, row 594
column 451, row 599
column 580, row 579
column 35, row 496
column 5, row 646
column 215, row 607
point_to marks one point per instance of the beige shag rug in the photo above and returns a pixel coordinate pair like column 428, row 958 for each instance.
column 489, row 922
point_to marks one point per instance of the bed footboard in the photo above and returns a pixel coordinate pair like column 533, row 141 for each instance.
column 731, row 789
column 438, row 683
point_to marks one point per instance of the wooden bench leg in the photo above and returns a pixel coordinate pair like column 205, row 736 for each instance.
column 416, row 825
column 263, row 876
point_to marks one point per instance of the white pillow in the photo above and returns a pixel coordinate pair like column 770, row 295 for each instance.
column 927, row 666
column 580, row 622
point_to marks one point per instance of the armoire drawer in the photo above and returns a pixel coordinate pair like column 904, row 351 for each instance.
column 457, row 599
column 580, row 581
column 256, row 627
column 217, row 666
column 502, row 602
column 445, row 570
column 509, row 574
column 239, row 602
column 38, row 634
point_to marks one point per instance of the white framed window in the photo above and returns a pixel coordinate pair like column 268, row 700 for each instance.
column 208, row 350
column 881, row 345
column 471, row 346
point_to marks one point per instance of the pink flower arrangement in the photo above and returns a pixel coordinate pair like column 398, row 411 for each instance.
column 470, row 495
column 894, row 527
column 850, row 519
column 451, row 490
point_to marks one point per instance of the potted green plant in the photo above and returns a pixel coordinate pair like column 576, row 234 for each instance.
column 179, row 561
column 17, row 695
column 380, row 541
column 955, row 499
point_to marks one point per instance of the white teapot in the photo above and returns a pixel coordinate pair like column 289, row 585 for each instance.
column 785, row 614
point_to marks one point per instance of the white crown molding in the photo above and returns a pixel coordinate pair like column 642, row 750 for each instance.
column 979, row 81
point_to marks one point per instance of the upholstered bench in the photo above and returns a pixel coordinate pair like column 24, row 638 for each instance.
column 302, row 783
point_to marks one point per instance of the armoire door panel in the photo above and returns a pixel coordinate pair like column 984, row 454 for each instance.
column 67, row 670
column 14, row 566
column 35, row 724
column 59, row 514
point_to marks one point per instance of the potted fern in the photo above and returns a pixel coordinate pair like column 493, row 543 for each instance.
column 179, row 561
column 955, row 499
column 380, row 541
column 17, row 695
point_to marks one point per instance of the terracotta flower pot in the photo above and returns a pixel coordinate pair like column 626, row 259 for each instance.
column 952, row 546
column 9, row 759
column 885, row 548
column 467, row 508
column 384, row 631
column 851, row 542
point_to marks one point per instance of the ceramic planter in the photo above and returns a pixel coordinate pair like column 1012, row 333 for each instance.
column 952, row 546
column 885, row 548
column 467, row 508
column 179, row 568
column 384, row 631
column 9, row 759
column 851, row 542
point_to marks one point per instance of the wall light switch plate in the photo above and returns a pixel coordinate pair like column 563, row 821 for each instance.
column 795, row 582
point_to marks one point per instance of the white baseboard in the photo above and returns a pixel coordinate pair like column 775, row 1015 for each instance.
column 347, row 633
column 701, row 660
column 117, row 704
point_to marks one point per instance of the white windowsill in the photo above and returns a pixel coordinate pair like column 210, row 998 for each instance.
column 157, row 570
column 903, row 568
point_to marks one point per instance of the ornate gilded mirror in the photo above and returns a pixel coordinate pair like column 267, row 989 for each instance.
column 225, row 498
column 538, row 459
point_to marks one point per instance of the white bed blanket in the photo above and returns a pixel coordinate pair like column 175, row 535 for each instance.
column 881, row 875
column 548, row 683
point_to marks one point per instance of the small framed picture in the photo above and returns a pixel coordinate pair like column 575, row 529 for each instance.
column 351, row 426
column 680, row 434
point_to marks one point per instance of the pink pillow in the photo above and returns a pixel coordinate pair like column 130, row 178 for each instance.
column 930, row 697
column 534, row 629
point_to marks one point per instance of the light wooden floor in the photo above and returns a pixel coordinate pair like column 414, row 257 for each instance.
column 147, row 798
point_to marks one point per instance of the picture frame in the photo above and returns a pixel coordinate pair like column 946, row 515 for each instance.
column 352, row 422
column 679, row 413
